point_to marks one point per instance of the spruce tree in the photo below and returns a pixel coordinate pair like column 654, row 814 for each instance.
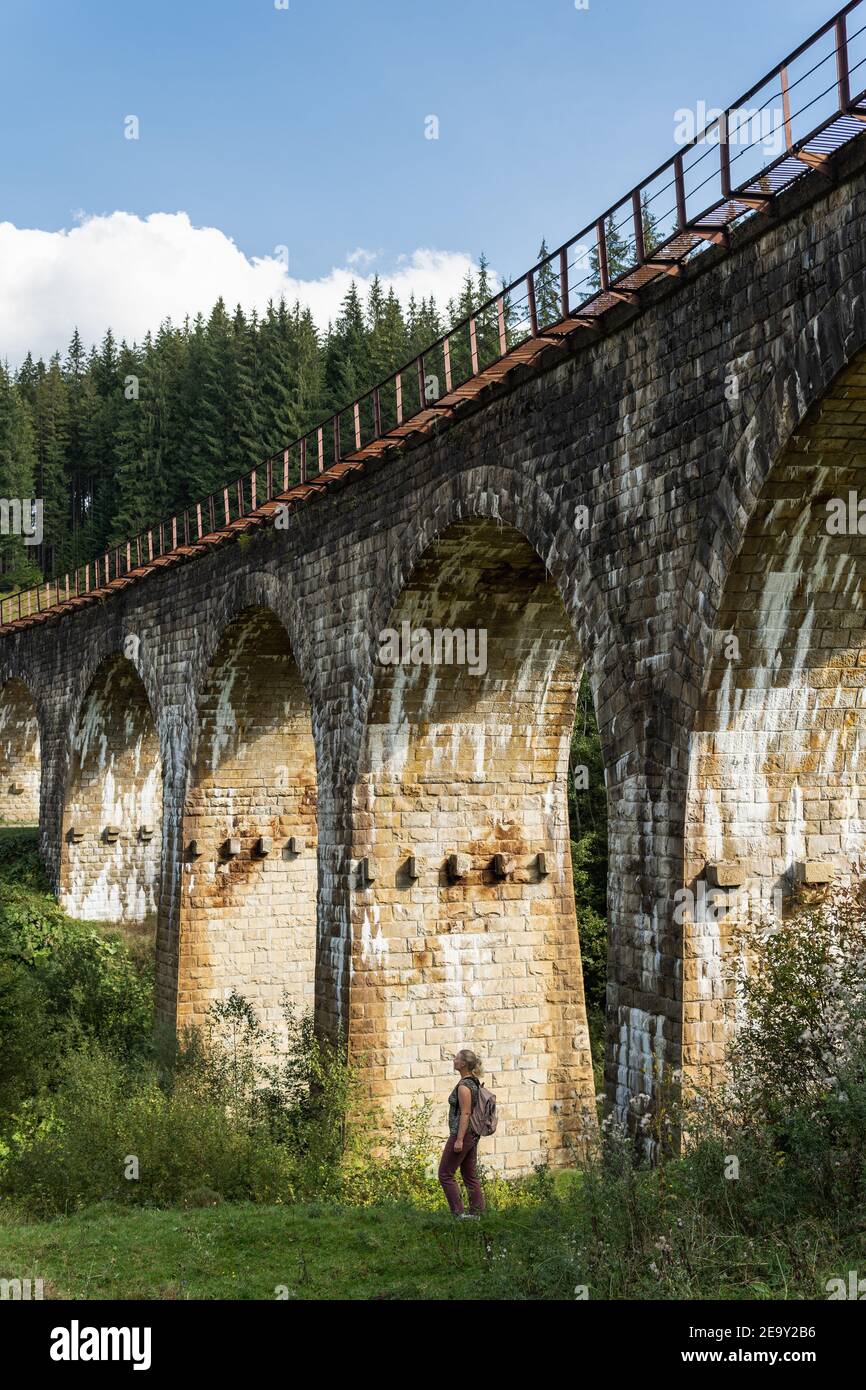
column 49, row 411
column 17, row 466
column 547, row 289
column 652, row 235
column 620, row 255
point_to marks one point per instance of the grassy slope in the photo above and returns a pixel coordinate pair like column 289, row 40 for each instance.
column 245, row 1251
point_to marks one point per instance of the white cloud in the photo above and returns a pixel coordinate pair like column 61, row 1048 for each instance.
column 132, row 272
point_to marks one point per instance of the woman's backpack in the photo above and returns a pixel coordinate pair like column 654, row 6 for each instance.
column 483, row 1117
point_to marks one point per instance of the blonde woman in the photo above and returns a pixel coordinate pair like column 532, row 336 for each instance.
column 460, row 1150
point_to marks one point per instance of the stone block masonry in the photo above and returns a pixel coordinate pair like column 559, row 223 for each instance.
column 704, row 432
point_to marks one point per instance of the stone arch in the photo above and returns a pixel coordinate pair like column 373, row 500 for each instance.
column 777, row 765
column 246, row 590
column 470, row 759
column 563, row 549
column 112, row 814
column 249, row 842
column 782, row 392
column 20, row 755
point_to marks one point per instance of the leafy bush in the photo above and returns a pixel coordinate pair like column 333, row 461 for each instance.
column 61, row 982
column 76, row 1145
column 231, row 1113
column 767, row 1197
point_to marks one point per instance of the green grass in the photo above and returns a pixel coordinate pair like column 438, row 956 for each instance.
column 245, row 1251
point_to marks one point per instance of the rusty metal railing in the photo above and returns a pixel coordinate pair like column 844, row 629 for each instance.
column 737, row 164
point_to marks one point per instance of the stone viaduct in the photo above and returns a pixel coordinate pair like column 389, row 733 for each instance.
column 219, row 748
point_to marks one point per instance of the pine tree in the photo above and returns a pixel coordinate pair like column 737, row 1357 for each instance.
column 17, row 466
column 620, row 255
column 279, row 418
column 243, row 432
column 345, row 358
column 389, row 348
column 652, row 235
column 79, row 396
column 46, row 394
column 547, row 290
column 126, row 436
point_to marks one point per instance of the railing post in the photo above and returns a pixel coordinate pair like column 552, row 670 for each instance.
column 473, row 345
column 601, row 240
column 637, row 214
column 338, row 453
column 563, row 282
column 422, row 385
column 786, row 108
column 377, row 412
column 303, row 462
column 399, row 381
column 253, row 491
column 446, row 357
column 533, row 306
column 681, row 192
column 286, row 467
column 724, row 155
column 321, row 444
column 357, row 419
column 842, row 78
column 500, row 320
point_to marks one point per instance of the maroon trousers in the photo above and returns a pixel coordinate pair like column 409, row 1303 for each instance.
column 466, row 1162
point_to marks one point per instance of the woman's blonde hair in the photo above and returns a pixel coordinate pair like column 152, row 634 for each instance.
column 470, row 1059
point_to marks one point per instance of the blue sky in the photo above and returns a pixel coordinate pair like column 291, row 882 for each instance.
column 304, row 127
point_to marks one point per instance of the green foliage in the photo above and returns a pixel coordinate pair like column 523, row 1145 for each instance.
column 766, row 1198
column 587, row 813
column 620, row 252
column 74, row 1145
column 17, row 469
column 802, row 1040
column 61, row 982
column 234, row 1114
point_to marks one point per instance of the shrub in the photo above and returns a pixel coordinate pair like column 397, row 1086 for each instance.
column 61, row 982
column 76, row 1145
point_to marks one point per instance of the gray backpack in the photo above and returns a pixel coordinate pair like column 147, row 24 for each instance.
column 483, row 1119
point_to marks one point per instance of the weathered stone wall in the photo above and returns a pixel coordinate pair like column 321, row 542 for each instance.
column 111, row 836
column 639, row 428
column 19, row 756
column 778, row 767
column 248, row 918
column 471, row 759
